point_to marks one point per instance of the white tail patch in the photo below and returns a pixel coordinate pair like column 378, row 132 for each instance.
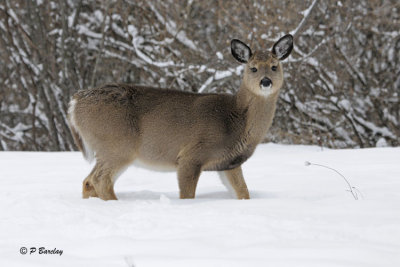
column 71, row 112
column 88, row 153
column 227, row 184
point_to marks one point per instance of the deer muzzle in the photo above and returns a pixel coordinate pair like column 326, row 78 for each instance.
column 265, row 83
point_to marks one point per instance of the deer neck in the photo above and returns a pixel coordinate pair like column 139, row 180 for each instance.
column 259, row 110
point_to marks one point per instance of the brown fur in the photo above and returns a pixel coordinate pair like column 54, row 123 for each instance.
column 187, row 132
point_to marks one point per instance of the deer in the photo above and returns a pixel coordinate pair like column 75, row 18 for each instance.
column 120, row 125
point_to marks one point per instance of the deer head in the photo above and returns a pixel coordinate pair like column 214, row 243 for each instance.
column 263, row 73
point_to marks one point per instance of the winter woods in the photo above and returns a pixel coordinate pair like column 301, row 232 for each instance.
column 342, row 81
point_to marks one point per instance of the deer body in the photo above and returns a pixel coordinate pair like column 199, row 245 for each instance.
column 124, row 124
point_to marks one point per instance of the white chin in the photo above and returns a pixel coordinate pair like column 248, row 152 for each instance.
column 266, row 90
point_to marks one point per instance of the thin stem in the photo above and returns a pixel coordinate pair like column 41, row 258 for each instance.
column 353, row 192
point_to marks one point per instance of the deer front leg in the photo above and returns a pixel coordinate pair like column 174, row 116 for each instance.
column 234, row 179
column 188, row 176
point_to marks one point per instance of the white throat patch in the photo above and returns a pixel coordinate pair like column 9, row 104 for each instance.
column 266, row 91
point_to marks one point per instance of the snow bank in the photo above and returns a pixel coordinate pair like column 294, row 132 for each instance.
column 298, row 215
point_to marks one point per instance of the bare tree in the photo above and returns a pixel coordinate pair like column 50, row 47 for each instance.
column 342, row 86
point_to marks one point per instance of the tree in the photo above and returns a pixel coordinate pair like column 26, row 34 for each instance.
column 341, row 83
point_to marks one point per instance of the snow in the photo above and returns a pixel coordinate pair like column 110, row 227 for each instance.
column 223, row 74
column 98, row 15
column 298, row 215
column 137, row 42
column 220, row 56
column 312, row 61
column 305, row 14
column 345, row 104
column 381, row 142
column 375, row 129
column 206, row 84
column 172, row 28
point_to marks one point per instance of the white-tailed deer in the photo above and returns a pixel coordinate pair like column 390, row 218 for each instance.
column 122, row 124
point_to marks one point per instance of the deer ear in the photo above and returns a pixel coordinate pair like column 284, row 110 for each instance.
column 283, row 47
column 240, row 51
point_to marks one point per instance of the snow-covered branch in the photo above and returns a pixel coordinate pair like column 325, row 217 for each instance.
column 341, row 80
column 306, row 14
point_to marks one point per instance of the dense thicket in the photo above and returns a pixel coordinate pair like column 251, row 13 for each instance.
column 342, row 80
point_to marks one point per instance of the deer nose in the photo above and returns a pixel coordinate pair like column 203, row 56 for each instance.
column 266, row 82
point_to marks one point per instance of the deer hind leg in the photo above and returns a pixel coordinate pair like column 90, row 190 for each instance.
column 233, row 179
column 188, row 176
column 100, row 182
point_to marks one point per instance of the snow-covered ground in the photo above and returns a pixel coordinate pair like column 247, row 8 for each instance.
column 298, row 215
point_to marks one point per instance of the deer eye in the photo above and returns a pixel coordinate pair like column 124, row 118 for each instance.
column 253, row 69
column 274, row 68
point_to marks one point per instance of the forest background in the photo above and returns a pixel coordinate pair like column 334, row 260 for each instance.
column 342, row 81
